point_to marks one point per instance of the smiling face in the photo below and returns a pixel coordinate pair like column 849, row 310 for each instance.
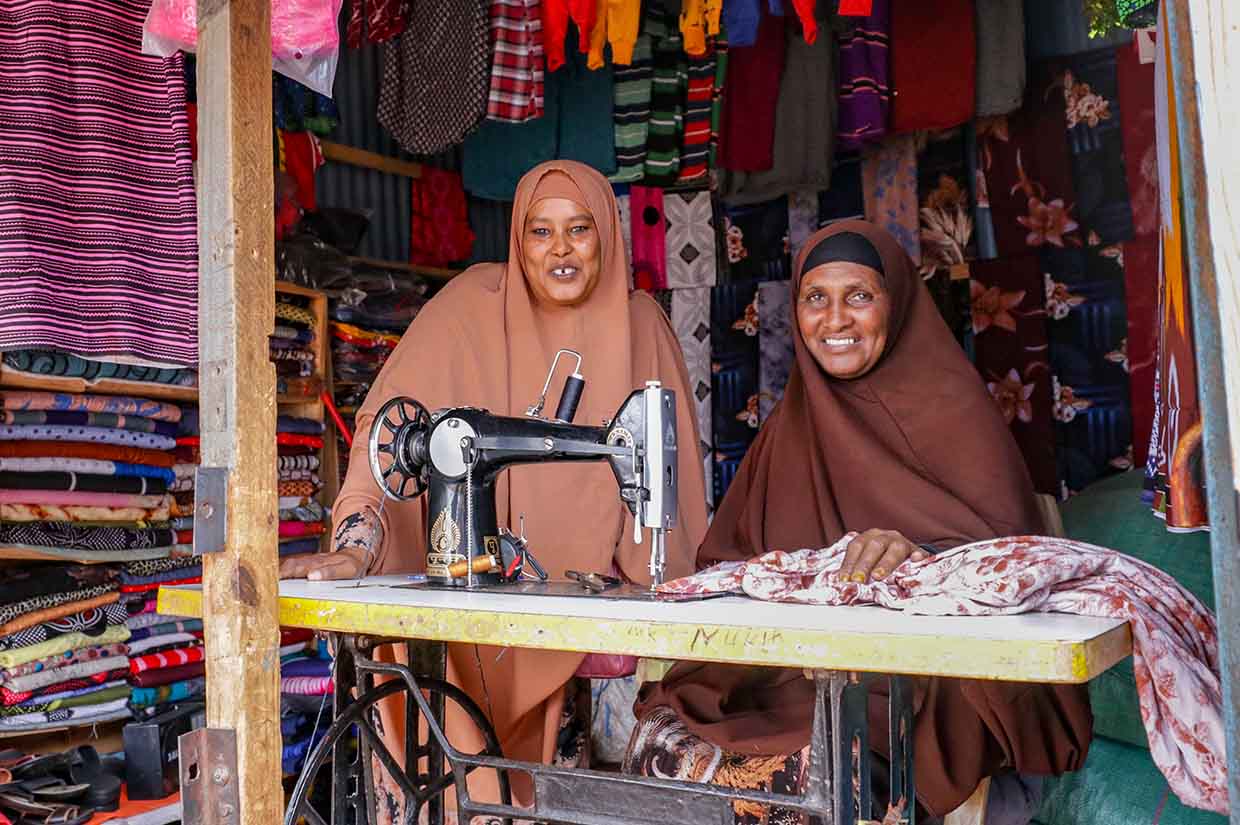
column 842, row 311
column 561, row 252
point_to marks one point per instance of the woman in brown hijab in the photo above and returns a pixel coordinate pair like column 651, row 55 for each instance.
column 885, row 429
column 487, row 340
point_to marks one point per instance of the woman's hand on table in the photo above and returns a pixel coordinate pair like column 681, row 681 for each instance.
column 875, row 553
column 346, row 563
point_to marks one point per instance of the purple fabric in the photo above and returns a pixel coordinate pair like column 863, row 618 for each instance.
column 307, row 667
column 865, row 93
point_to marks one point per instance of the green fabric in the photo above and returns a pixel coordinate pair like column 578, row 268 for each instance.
column 1137, row 14
column 1118, row 785
column 1111, row 514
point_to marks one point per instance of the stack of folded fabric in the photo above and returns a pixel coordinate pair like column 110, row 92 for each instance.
column 51, row 363
column 63, row 653
column 166, row 662
column 87, row 474
column 292, row 349
column 298, row 444
column 305, row 695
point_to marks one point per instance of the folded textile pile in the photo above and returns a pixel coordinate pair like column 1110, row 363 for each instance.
column 1175, row 637
column 63, row 651
column 62, row 365
column 303, row 518
column 305, row 694
column 166, row 657
column 366, row 325
column 291, row 345
column 87, row 474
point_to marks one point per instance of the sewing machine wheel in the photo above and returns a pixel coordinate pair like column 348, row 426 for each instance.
column 392, row 434
column 417, row 788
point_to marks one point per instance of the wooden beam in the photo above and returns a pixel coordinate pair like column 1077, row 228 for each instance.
column 236, row 288
column 370, row 160
column 1204, row 38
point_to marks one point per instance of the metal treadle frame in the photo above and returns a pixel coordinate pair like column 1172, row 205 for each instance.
column 837, row 789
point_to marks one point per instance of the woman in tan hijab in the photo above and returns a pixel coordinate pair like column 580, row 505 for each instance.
column 885, row 429
column 487, row 340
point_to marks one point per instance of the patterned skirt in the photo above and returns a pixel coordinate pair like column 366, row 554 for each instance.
column 663, row 747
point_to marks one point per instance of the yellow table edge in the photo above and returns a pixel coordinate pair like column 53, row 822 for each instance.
column 1000, row 659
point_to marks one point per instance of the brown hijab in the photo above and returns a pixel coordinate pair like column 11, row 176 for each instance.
column 915, row 445
column 484, row 341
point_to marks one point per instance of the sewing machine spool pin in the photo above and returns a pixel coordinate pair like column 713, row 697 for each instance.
column 570, row 397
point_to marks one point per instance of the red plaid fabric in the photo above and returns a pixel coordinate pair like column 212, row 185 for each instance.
column 516, row 93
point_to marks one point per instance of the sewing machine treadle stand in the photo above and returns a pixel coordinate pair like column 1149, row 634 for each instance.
column 837, row 789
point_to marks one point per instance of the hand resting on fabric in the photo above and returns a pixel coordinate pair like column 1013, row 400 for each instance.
column 875, row 553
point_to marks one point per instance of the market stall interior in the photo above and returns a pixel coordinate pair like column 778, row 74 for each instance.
column 1053, row 169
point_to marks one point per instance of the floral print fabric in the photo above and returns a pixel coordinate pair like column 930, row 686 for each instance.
column 1175, row 637
column 735, row 377
column 889, row 180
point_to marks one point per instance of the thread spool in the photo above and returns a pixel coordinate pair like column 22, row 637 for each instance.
column 574, row 386
column 481, row 564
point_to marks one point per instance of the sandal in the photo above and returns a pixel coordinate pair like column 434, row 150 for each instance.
column 31, row 812
column 104, row 788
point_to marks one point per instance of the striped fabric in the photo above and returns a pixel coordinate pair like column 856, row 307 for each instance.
column 98, row 228
column 631, row 113
column 667, row 99
column 699, row 103
column 864, row 95
column 516, row 93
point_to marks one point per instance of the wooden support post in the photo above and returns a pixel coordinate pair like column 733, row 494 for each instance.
column 236, row 289
column 1204, row 36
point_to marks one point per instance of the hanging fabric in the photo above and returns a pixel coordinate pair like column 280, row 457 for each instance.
column 517, row 81
column 777, row 321
column 690, row 239
column 1000, row 56
column 649, row 232
column 864, row 93
column 933, row 48
column 98, row 237
column 889, row 176
column 690, row 317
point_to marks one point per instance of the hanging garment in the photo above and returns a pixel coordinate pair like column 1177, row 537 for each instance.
column 649, row 232
column 756, row 242
column 440, row 234
column 747, row 130
column 864, row 91
column 933, row 47
column 616, row 24
column 631, row 112
column 375, row 21
column 734, row 377
column 699, row 21
column 517, row 81
column 1136, row 93
column 803, row 148
column 1176, row 488
column 1000, row 56
column 690, row 318
column 435, row 76
column 1010, row 345
column 889, row 176
column 696, row 126
column 947, row 227
column 1025, row 173
column 775, row 349
column 555, row 19
column 667, row 98
column 1175, row 637
column 98, row 226
column 690, row 239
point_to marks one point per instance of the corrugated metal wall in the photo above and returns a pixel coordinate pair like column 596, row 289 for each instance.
column 386, row 197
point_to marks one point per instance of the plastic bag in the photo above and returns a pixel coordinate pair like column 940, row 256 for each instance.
column 305, row 39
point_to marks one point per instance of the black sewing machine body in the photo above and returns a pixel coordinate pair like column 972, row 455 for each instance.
column 456, row 454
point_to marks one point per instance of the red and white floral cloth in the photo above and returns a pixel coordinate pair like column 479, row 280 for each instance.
column 1175, row 637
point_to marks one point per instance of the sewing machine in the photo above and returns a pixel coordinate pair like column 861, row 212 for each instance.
column 455, row 455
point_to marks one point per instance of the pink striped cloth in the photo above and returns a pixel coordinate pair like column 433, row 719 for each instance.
column 170, row 658
column 307, row 685
column 66, row 498
column 98, row 221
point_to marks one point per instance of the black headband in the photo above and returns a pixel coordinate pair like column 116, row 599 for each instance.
column 844, row 246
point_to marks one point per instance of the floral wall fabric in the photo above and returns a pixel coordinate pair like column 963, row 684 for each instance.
column 1010, row 340
column 775, row 347
column 756, row 242
column 889, row 183
column 946, row 227
column 735, row 376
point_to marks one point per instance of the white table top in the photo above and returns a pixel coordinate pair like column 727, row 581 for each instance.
column 1030, row 647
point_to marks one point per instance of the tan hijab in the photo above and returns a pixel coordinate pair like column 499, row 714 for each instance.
column 484, row 341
